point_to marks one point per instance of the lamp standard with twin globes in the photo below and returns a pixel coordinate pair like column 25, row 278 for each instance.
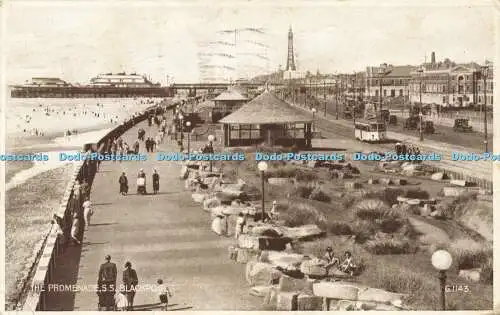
column 441, row 260
column 181, row 125
column 262, row 166
column 188, row 125
column 211, row 139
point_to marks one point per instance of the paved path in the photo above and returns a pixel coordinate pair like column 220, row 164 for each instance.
column 164, row 236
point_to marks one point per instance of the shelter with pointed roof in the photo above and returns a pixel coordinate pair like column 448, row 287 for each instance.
column 227, row 102
column 270, row 120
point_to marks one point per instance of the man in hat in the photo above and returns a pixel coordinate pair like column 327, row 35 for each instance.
column 330, row 259
column 106, row 283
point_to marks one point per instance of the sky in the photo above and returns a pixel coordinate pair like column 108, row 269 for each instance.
column 78, row 40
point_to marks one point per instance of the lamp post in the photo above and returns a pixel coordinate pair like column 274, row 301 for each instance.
column 354, row 104
column 381, row 72
column 484, row 74
column 441, row 260
column 188, row 125
column 324, row 95
column 211, row 139
column 420, row 114
column 181, row 125
column 262, row 166
column 314, row 113
column 336, row 100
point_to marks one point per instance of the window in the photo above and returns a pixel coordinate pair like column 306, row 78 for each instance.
column 385, row 93
column 479, row 99
column 401, row 92
column 376, row 93
column 245, row 131
column 444, row 99
column 235, row 132
column 393, row 93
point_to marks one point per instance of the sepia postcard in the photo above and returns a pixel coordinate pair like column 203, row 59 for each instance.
column 249, row 155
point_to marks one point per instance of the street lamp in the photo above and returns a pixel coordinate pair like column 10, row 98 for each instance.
column 381, row 73
column 188, row 125
column 262, row 166
column 354, row 104
column 484, row 73
column 314, row 113
column 420, row 114
column 211, row 139
column 181, row 125
column 441, row 260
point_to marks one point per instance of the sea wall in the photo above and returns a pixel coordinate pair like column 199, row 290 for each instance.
column 54, row 244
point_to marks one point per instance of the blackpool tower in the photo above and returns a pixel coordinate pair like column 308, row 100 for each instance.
column 290, row 60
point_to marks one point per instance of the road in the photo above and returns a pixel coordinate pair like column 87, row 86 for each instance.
column 333, row 129
column 164, row 236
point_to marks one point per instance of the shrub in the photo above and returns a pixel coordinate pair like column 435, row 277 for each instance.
column 470, row 254
column 305, row 175
column 390, row 246
column 339, row 228
column 303, row 191
column 363, row 230
column 318, row 195
column 300, row 214
column 373, row 210
column 486, row 275
column 416, row 194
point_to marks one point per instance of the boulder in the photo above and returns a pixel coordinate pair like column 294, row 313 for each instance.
column 289, row 284
column 437, row 176
column 262, row 242
column 248, row 241
column 278, row 181
column 245, row 255
column 261, row 290
column 228, row 195
column 385, row 307
column 473, row 275
column 366, row 306
column 287, row 301
column 344, row 305
column 313, row 268
column 303, row 232
column 211, row 203
column 454, row 191
column 258, row 273
column 378, row 295
column 283, row 259
column 266, row 230
column 306, row 302
column 198, row 198
column 335, row 290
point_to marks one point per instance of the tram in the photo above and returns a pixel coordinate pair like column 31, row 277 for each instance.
column 370, row 131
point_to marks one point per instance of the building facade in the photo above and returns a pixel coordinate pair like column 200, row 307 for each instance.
column 391, row 81
column 121, row 80
column 451, row 85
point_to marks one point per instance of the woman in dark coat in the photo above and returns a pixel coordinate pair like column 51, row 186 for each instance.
column 123, row 184
column 130, row 282
column 156, row 182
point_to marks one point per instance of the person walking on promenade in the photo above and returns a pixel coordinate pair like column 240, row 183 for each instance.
column 164, row 294
column 106, row 283
column 130, row 282
column 84, row 189
column 156, row 181
column 123, row 184
column 136, row 147
column 240, row 224
column 76, row 229
column 87, row 212
column 147, row 145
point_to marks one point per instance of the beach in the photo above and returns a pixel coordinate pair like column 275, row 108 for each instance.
column 35, row 188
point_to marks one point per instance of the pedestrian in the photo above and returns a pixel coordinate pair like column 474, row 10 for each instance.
column 152, row 144
column 156, row 181
column 76, row 228
column 130, row 282
column 106, row 283
column 84, row 189
column 87, row 212
column 240, row 224
column 164, row 294
column 123, row 181
column 136, row 147
column 147, row 144
column 274, row 214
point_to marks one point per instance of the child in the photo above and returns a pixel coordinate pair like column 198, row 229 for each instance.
column 120, row 301
column 163, row 293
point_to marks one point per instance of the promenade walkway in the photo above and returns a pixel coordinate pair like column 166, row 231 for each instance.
column 164, row 236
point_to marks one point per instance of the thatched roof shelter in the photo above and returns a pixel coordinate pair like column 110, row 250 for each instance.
column 231, row 95
column 266, row 108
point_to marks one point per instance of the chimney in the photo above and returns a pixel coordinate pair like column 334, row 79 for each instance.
column 433, row 57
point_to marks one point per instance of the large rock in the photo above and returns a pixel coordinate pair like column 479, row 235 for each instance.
column 266, row 230
column 344, row 305
column 306, row 302
column 245, row 255
column 262, row 242
column 211, row 203
column 437, row 176
column 258, row 273
column 303, row 232
column 228, row 195
column 282, row 259
column 261, row 290
column 278, row 181
column 334, row 290
column 378, row 295
column 473, row 275
column 313, row 268
column 287, row 301
column 289, row 284
column 454, row 191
